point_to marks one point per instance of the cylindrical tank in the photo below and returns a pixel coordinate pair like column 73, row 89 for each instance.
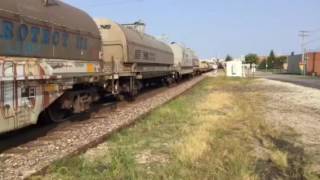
column 182, row 55
column 204, row 66
column 183, row 58
column 131, row 46
column 195, row 59
column 47, row 29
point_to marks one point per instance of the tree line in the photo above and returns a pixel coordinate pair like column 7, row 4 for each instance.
column 272, row 61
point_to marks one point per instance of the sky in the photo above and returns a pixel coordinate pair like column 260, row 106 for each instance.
column 215, row 28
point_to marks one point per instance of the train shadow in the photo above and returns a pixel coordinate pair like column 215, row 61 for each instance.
column 22, row 136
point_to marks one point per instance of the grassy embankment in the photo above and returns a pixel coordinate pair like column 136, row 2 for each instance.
column 214, row 131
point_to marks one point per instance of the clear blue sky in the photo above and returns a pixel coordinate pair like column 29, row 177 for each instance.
column 219, row 27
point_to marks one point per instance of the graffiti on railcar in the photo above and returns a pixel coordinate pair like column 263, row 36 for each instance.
column 32, row 40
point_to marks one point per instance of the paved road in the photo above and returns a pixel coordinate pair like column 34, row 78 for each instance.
column 307, row 81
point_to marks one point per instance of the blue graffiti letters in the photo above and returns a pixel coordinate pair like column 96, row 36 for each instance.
column 23, row 32
column 7, row 29
column 45, row 36
column 35, row 31
column 31, row 38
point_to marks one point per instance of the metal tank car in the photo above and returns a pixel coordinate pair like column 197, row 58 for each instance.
column 55, row 61
column 136, row 57
column 183, row 60
column 195, row 63
column 48, row 61
column 204, row 67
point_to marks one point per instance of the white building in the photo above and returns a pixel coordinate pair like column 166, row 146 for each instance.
column 236, row 68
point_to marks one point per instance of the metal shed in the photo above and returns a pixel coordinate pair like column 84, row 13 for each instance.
column 293, row 64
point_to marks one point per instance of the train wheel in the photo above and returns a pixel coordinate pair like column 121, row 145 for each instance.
column 57, row 114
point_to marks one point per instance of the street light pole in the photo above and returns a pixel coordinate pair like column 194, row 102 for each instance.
column 303, row 35
column 267, row 65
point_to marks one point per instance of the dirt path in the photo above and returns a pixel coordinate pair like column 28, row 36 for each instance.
column 295, row 108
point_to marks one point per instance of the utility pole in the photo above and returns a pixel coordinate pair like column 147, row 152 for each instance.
column 267, row 65
column 303, row 35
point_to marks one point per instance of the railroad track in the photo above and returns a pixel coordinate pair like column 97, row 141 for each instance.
column 59, row 141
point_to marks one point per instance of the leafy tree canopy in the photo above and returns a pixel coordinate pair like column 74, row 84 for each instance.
column 251, row 58
column 229, row 58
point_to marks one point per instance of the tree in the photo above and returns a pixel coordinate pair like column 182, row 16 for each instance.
column 229, row 58
column 271, row 60
column 262, row 64
column 278, row 64
column 251, row 59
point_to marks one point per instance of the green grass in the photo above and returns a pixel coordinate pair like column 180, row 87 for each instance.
column 213, row 131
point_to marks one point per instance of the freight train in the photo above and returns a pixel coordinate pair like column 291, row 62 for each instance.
column 55, row 60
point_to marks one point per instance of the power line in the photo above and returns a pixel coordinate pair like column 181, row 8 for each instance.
column 312, row 41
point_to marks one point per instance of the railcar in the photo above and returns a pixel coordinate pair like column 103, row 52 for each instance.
column 136, row 57
column 183, row 60
column 49, row 61
column 204, row 67
column 55, row 60
column 195, row 63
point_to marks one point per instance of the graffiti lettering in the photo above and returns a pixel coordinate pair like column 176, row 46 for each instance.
column 45, row 36
column 35, row 31
column 7, row 28
column 24, row 32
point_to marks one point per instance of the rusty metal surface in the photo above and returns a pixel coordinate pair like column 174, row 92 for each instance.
column 57, row 30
